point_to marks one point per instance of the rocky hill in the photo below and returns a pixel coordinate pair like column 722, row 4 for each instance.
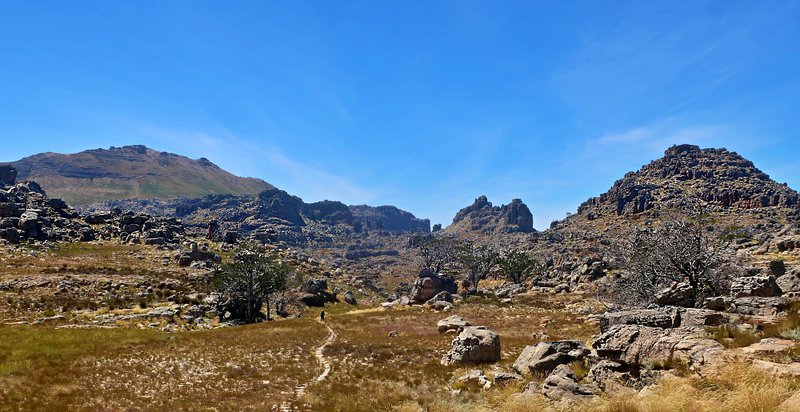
column 483, row 218
column 722, row 179
column 129, row 172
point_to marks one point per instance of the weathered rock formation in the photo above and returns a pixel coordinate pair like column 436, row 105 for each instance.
column 482, row 217
column 475, row 344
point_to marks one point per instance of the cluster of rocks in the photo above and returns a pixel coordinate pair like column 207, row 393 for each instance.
column 27, row 213
column 129, row 227
column 197, row 257
column 482, row 217
column 315, row 293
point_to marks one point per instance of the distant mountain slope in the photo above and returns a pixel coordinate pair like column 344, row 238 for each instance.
column 483, row 218
column 129, row 172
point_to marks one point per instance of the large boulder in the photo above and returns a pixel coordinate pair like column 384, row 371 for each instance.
column 451, row 324
column 562, row 383
column 429, row 284
column 658, row 318
column 678, row 294
column 475, row 344
column 545, row 356
column 760, row 286
column 315, row 293
column 636, row 345
column 789, row 282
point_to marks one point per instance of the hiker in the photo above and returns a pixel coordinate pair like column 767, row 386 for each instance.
column 322, row 315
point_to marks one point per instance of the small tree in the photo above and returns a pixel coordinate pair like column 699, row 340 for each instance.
column 250, row 281
column 518, row 267
column 436, row 253
column 478, row 261
column 681, row 251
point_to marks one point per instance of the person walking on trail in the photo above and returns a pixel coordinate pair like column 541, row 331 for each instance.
column 322, row 315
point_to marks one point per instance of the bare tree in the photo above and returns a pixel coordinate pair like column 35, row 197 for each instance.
column 436, row 253
column 685, row 250
column 517, row 267
column 478, row 261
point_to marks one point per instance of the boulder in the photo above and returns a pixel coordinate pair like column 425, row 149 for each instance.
column 759, row 306
column 350, row 298
column 451, row 324
column 545, row 356
column 636, row 345
column 759, row 286
column 475, row 344
column 788, row 283
column 702, row 318
column 444, row 296
column 440, row 305
column 430, row 284
column 777, row 268
column 679, row 294
column 509, row 290
column 502, row 378
column 659, row 318
column 562, row 383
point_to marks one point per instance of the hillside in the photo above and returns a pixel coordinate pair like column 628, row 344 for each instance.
column 129, row 172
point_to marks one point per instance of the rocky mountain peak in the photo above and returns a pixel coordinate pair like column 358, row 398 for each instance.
column 482, row 216
column 721, row 178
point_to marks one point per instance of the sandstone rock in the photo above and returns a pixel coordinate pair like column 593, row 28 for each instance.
column 647, row 346
column 780, row 370
column 545, row 356
column 562, row 384
column 440, row 305
column 788, row 283
column 444, row 296
column 659, row 318
column 430, row 284
column 768, row 346
column 759, row 306
column 702, row 318
column 451, row 324
column 475, row 344
column 760, row 286
column 679, row 294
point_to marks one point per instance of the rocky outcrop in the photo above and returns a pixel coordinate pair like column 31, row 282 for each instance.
column 722, row 178
column 315, row 293
column 546, row 356
column 562, row 383
column 657, row 318
column 636, row 345
column 474, row 345
column 482, row 217
column 761, row 286
column 429, row 284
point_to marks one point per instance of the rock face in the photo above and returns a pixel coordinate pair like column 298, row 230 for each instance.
column 636, row 345
column 429, row 284
column 546, row 356
column 475, row 344
column 482, row 217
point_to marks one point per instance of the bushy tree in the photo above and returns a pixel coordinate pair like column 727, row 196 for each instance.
column 478, row 260
column 251, row 280
column 685, row 250
column 517, row 267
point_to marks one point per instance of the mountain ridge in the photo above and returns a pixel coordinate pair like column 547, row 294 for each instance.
column 134, row 171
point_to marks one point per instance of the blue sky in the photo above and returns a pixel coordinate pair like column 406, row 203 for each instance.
column 424, row 105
